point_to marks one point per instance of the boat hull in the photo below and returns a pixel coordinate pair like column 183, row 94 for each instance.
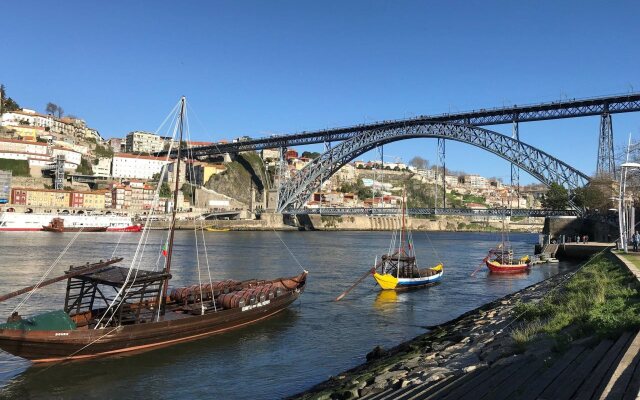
column 132, row 228
column 390, row 282
column 55, row 346
column 87, row 229
column 507, row 268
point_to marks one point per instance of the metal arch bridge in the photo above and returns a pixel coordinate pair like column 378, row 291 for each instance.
column 547, row 169
column 603, row 106
column 484, row 212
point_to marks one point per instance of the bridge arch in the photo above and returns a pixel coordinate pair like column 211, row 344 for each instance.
column 544, row 167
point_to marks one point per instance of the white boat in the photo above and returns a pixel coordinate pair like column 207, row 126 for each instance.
column 13, row 221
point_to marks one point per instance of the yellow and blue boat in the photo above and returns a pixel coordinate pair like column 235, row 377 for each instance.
column 399, row 270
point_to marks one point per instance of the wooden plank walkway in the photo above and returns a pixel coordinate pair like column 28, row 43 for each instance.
column 584, row 373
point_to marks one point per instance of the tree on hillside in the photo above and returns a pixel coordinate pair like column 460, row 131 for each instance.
column 419, row 162
column 596, row 195
column 556, row 198
column 51, row 108
column 54, row 109
column 311, row 154
column 165, row 191
column 7, row 104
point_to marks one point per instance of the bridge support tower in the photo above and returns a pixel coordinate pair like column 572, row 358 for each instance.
column 515, row 171
column 606, row 158
column 441, row 161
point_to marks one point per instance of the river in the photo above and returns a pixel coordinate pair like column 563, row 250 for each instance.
column 312, row 340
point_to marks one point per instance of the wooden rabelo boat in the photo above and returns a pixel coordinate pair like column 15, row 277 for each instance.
column 399, row 270
column 57, row 225
column 109, row 309
column 500, row 260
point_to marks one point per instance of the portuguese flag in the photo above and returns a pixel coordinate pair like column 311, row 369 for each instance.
column 164, row 250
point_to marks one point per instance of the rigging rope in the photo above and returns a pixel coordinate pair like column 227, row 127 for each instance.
column 266, row 177
column 137, row 256
column 206, row 256
column 47, row 272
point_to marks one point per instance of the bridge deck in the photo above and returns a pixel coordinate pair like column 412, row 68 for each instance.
column 483, row 117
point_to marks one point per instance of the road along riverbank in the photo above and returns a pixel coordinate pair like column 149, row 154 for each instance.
column 509, row 330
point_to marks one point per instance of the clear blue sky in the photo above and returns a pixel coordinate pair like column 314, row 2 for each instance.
column 261, row 67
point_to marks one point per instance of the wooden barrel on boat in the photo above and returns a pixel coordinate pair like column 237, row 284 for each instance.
column 232, row 300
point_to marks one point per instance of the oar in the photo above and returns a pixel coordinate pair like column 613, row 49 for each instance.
column 371, row 271
column 484, row 260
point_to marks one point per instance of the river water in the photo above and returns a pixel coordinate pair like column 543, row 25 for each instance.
column 312, row 340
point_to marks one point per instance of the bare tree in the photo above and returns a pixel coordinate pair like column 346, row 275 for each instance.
column 60, row 112
column 419, row 162
column 51, row 108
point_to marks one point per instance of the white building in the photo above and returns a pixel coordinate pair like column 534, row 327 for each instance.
column 24, row 147
column 71, row 158
column 103, row 167
column 270, row 154
column 451, row 180
column 144, row 142
column 476, row 181
column 137, row 167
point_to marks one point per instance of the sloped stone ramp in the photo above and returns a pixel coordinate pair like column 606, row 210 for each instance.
column 582, row 372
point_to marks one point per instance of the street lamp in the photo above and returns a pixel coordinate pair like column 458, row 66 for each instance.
column 622, row 220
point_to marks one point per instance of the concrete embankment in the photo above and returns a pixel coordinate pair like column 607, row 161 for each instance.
column 474, row 340
column 385, row 223
column 273, row 221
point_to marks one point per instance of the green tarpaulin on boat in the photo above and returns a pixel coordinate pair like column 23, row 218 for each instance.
column 49, row 321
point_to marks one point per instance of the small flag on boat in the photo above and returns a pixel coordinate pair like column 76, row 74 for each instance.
column 164, row 249
column 410, row 244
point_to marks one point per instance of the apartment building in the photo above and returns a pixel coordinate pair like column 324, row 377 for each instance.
column 143, row 142
column 136, row 166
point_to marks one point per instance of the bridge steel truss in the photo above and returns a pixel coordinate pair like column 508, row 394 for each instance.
column 485, row 212
column 547, row 169
column 483, row 117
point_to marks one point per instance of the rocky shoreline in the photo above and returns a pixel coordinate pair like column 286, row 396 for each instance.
column 477, row 339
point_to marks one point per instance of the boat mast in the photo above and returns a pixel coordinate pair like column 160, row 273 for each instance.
column 167, row 268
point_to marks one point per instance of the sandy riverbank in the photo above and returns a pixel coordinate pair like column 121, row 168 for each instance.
column 476, row 339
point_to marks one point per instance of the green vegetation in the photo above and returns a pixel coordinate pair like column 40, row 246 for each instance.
column 418, row 194
column 85, row 167
column 602, row 298
column 596, row 195
column 556, row 198
column 7, row 104
column 245, row 172
column 358, row 188
column 17, row 167
column 103, row 151
column 310, row 154
column 470, row 198
column 165, row 191
column 187, row 191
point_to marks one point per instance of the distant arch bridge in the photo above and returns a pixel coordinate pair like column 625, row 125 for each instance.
column 479, row 212
column 294, row 192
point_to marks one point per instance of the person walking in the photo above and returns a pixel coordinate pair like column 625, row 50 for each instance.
column 635, row 240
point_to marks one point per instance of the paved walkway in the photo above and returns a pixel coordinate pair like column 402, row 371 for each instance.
column 582, row 372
